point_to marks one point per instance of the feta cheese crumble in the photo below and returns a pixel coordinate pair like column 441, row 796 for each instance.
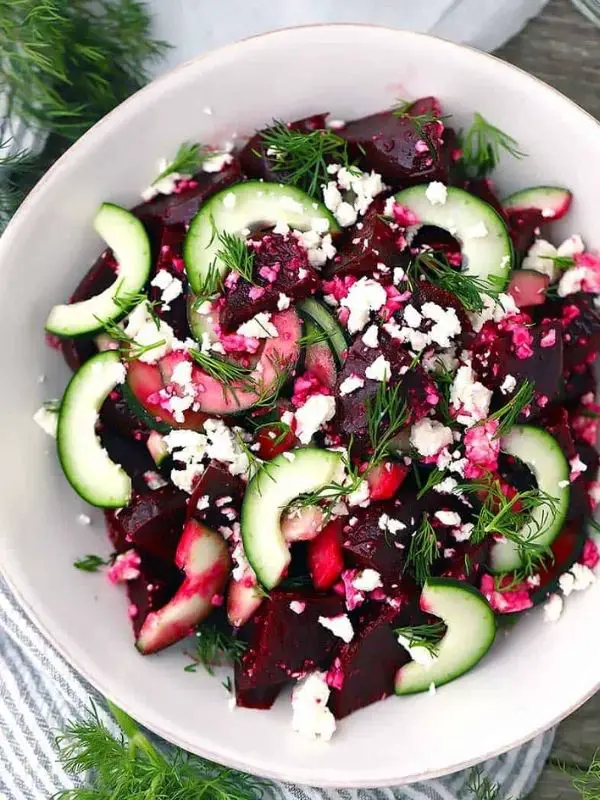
column 339, row 626
column 47, row 419
column 420, row 654
column 259, row 327
column 310, row 716
column 371, row 337
column 318, row 409
column 351, row 384
column 469, row 398
column 429, row 437
column 365, row 295
column 553, row 608
column 170, row 286
column 379, row 370
column 436, row 193
column 367, row 580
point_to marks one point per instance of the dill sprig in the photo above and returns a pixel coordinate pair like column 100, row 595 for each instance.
column 435, row 476
column 213, row 648
column 482, row 147
column 211, row 285
column 128, row 765
column 331, row 493
column 508, row 415
column 91, row 563
column 427, row 636
column 387, row 413
column 586, row 782
column 126, row 301
column 480, row 786
column 423, row 550
column 129, row 348
column 418, row 121
column 467, row 288
column 223, row 371
column 313, row 335
column 235, row 254
column 302, row 158
column 187, row 160
column 506, row 516
column 268, row 393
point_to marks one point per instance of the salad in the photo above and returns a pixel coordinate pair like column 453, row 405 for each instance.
column 336, row 399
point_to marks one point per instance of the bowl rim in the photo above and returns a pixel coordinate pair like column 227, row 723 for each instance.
column 36, row 613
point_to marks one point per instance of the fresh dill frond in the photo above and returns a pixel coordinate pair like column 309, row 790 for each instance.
column 91, row 563
column 423, row 550
column 129, row 348
column 126, row 301
column 235, row 254
column 586, row 782
column 435, row 476
column 418, row 121
column 187, row 160
column 223, row 371
column 227, row 684
column 128, row 765
column 508, row 415
column 387, row 413
column 561, row 262
column 281, row 430
column 482, row 147
column 302, row 158
column 332, row 493
column 212, row 284
column 213, row 648
column 268, row 393
column 427, row 636
column 313, row 335
column 469, row 289
column 481, row 787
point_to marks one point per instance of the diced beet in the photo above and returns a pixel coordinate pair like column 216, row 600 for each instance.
column 426, row 292
column 261, row 697
column 581, row 329
column 465, row 563
column 325, row 559
column 528, row 287
column 416, row 387
column 576, row 384
column 494, row 358
column 277, row 261
column 365, row 248
column 364, row 669
column 131, row 453
column 522, row 226
column 484, row 189
column 216, row 483
column 389, row 145
column 254, row 159
column 181, row 207
column 117, row 415
column 282, row 644
column 152, row 523
column 170, row 258
column 152, row 589
column 385, row 479
column 566, row 549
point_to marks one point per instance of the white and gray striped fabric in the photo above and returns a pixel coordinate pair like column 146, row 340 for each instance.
column 40, row 692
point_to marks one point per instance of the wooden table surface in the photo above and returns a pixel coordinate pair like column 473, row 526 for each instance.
column 562, row 47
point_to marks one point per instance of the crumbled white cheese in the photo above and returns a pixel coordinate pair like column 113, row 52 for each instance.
column 340, row 626
column 553, row 608
column 584, row 577
column 379, row 370
column 447, row 486
column 361, row 496
column 83, row 519
column 297, row 606
column 469, row 397
column 371, row 337
column 345, row 214
column 429, row 436
column 217, row 162
column 187, row 448
column 290, row 204
column 508, row 385
column 335, row 124
column 365, row 295
column 477, row 231
column 387, row 523
column 170, row 286
column 436, row 193
column 493, row 309
column 223, row 445
column 310, row 716
column 367, row 580
column 47, row 419
column 419, row 654
column 449, row 518
column 142, row 328
column 447, row 324
column 463, row 533
column 182, row 374
column 351, row 384
column 259, row 327
column 283, row 302
column 318, row 409
column 357, row 192
column 164, row 185
column 411, row 316
column 572, row 281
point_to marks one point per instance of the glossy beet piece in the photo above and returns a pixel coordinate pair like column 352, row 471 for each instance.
column 181, row 207
column 277, row 263
column 152, row 523
column 580, row 322
column 426, row 292
column 494, row 358
column 98, row 278
column 117, row 415
column 416, row 388
column 391, row 145
column 365, row 248
column 156, row 584
column 385, row 479
column 522, row 227
column 283, row 644
column 170, row 258
column 566, row 549
column 575, row 385
column 254, row 159
column 131, row 453
column 364, row 669
column 216, row 483
column 466, row 563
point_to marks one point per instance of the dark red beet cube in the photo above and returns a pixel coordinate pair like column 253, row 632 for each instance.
column 151, row 523
column 152, row 589
column 216, row 483
column 484, row 189
column 280, row 267
column 117, row 415
column 363, row 670
column 365, row 248
column 580, row 322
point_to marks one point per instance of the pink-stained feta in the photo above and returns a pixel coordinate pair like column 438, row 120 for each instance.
column 125, row 568
column 482, row 448
column 508, row 602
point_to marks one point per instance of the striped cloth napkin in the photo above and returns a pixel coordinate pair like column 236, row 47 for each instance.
column 40, row 692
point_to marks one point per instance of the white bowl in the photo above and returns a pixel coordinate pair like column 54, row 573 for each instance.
column 536, row 674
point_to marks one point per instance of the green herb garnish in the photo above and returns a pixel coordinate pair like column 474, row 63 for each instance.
column 482, row 147
column 427, row 636
column 213, row 648
column 423, row 550
column 387, row 414
column 235, row 254
column 91, row 563
column 467, row 288
column 435, row 476
column 211, row 285
column 129, row 348
column 188, row 160
column 223, row 371
column 508, row 415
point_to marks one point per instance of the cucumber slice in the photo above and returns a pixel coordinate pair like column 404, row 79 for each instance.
column 127, row 238
column 312, row 309
column 247, row 206
column 85, row 462
column 539, row 451
column 489, row 256
column 200, row 324
column 270, row 491
column 552, row 201
column 471, row 631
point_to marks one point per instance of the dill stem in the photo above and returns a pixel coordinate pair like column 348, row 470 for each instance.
column 137, row 740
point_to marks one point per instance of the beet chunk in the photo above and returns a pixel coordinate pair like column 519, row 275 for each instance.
column 152, row 523
column 522, row 226
column 581, row 329
column 181, row 207
column 277, row 263
column 216, row 483
column 364, row 669
column 283, row 644
column 417, row 389
column 170, row 258
column 365, row 248
column 152, row 589
column 254, row 159
column 484, row 189
column 132, row 454
column 387, row 144
column 116, row 415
